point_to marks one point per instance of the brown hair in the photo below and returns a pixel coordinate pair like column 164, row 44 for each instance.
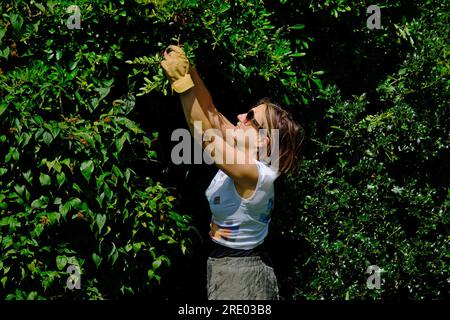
column 291, row 135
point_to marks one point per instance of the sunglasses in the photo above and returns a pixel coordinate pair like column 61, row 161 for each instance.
column 251, row 117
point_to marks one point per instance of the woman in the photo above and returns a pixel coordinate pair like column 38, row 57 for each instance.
column 241, row 195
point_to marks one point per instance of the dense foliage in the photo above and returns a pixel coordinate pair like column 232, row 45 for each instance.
column 374, row 183
column 75, row 189
column 86, row 117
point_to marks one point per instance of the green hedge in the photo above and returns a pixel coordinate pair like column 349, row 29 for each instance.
column 374, row 185
column 74, row 188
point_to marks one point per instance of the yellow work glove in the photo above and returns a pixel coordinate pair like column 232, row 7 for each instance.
column 176, row 66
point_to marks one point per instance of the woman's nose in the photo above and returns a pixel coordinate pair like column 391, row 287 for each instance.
column 241, row 117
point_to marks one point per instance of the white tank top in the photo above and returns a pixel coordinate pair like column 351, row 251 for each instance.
column 241, row 223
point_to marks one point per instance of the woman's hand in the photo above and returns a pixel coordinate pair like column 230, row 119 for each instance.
column 176, row 66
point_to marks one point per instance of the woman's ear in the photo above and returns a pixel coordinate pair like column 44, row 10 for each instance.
column 262, row 142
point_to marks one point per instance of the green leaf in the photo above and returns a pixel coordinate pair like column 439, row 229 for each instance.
column 114, row 254
column 19, row 189
column 156, row 264
column 87, row 168
column 45, row 179
column 28, row 176
column 15, row 154
column 77, row 188
column 53, row 216
column 76, row 203
column 121, row 141
column 100, row 219
column 318, row 83
column 3, row 106
column 103, row 92
column 100, row 199
column 298, row 54
column 3, row 171
column 64, row 209
column 55, row 165
column 2, row 34
column 4, row 221
column 4, row 54
column 117, row 171
column 16, row 22
column 242, row 67
column 127, row 175
column 32, row 295
column 73, row 260
column 297, row 27
column 66, row 162
column 40, row 203
column 3, row 205
column 61, row 262
column 60, row 178
column 47, row 137
column 37, row 230
column 151, row 274
column 73, row 65
column 40, row 7
column 97, row 259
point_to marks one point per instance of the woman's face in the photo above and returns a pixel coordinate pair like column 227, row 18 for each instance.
column 249, row 136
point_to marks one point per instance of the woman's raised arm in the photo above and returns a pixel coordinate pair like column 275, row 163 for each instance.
column 216, row 119
column 199, row 107
column 186, row 81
